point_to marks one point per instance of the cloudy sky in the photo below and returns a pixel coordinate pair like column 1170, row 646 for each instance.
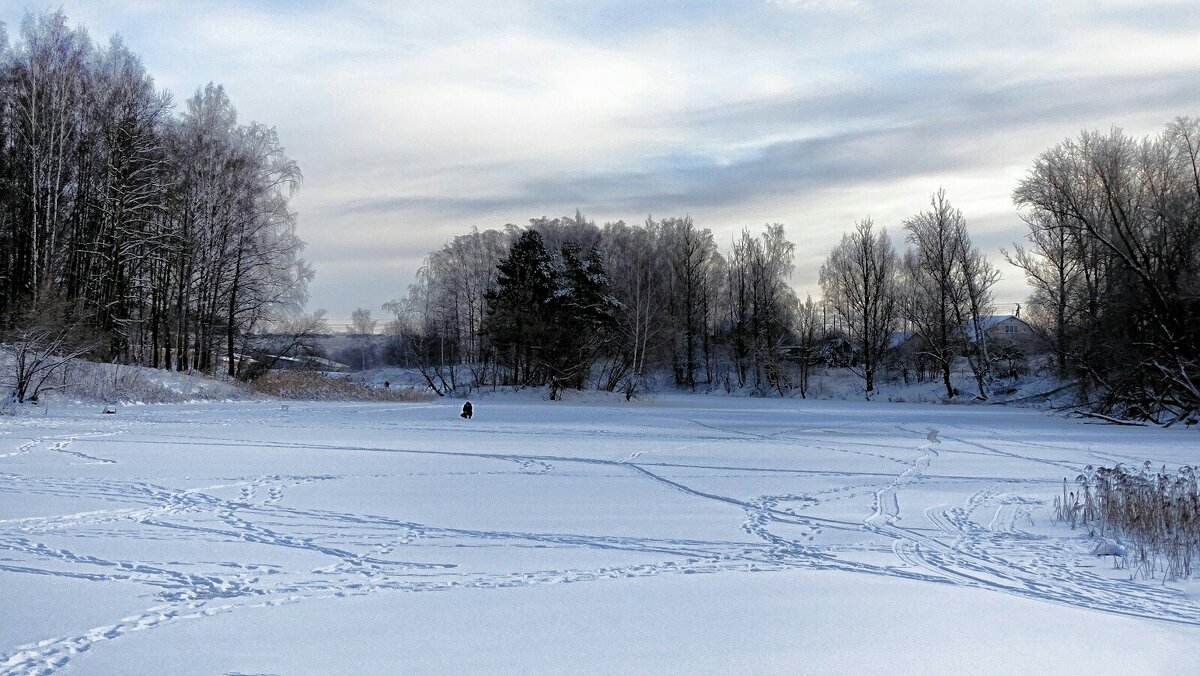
column 413, row 121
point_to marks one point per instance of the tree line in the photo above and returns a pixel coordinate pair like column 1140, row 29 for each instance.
column 566, row 303
column 1112, row 259
column 162, row 235
column 924, row 311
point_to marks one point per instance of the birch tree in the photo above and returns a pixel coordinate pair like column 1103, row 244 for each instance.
column 47, row 87
column 935, row 299
column 858, row 280
column 641, row 288
column 171, row 234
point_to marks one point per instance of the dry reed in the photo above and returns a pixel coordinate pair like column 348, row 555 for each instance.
column 310, row 385
column 1154, row 515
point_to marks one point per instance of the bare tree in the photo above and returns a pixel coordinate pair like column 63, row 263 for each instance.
column 1130, row 210
column 362, row 327
column 361, row 323
column 119, row 195
column 424, row 333
column 808, row 341
column 689, row 252
column 947, row 292
column 859, row 283
column 1053, row 272
column 293, row 336
column 935, row 295
column 761, row 306
column 48, row 79
column 640, row 286
column 978, row 279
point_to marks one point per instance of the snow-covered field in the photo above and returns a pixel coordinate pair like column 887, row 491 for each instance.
column 682, row 535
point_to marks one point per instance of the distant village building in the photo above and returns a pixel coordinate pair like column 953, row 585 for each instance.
column 1010, row 341
column 1001, row 328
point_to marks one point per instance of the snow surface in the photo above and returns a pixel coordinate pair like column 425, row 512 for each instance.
column 686, row 534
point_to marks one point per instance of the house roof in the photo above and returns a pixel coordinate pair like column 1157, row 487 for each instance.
column 990, row 322
column 898, row 338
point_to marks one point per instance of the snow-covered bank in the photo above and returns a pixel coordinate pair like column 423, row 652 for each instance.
column 78, row 380
column 679, row 535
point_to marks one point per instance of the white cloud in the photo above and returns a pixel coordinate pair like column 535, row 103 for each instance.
column 413, row 121
column 820, row 5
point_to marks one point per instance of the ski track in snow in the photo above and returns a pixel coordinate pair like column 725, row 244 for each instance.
column 981, row 543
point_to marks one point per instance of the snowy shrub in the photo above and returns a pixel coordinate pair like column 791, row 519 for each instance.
column 114, row 383
column 82, row 380
column 44, row 339
column 311, row 385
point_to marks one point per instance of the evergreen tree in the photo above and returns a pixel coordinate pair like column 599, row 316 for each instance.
column 583, row 318
column 519, row 308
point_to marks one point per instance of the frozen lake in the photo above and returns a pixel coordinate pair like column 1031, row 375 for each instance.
column 679, row 535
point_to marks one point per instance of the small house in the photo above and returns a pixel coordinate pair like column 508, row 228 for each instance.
column 1005, row 328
